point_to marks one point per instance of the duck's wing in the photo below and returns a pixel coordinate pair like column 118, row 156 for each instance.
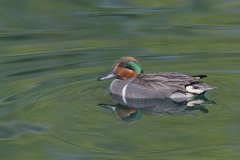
column 172, row 81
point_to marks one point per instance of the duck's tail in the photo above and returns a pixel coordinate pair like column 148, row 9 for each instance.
column 198, row 88
column 200, row 76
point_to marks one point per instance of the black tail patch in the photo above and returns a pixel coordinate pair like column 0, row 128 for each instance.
column 200, row 76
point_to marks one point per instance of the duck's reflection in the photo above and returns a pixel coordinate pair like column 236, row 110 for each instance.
column 130, row 110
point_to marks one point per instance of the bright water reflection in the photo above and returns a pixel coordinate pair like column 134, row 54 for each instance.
column 51, row 53
column 130, row 109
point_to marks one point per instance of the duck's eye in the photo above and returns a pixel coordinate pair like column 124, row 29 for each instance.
column 122, row 65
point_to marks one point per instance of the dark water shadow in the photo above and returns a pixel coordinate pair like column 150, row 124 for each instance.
column 130, row 109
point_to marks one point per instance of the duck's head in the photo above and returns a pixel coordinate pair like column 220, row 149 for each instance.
column 124, row 68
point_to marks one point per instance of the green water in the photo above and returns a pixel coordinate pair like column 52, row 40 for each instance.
column 52, row 52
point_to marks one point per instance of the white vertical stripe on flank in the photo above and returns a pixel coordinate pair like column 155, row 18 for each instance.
column 124, row 93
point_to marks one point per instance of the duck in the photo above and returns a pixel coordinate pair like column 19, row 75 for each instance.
column 130, row 81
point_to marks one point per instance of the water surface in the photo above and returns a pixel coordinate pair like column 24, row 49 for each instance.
column 52, row 52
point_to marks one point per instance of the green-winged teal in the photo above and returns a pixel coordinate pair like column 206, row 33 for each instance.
column 131, row 82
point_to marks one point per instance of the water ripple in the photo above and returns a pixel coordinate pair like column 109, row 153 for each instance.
column 12, row 130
